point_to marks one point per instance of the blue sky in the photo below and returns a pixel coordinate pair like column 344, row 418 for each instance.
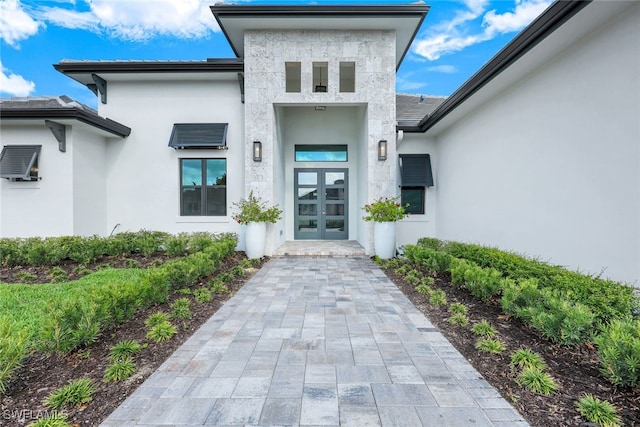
column 455, row 40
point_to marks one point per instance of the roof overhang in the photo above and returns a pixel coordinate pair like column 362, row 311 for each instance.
column 211, row 69
column 565, row 21
column 405, row 20
column 66, row 116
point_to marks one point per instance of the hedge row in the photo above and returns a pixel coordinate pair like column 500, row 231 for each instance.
column 77, row 315
column 84, row 250
column 564, row 306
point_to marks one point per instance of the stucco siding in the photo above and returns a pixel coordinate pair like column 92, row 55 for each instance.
column 89, row 184
column 143, row 173
column 550, row 167
column 44, row 207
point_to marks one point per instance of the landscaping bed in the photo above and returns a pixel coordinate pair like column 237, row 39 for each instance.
column 575, row 368
column 43, row 373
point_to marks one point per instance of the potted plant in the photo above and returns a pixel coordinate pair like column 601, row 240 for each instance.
column 255, row 214
column 384, row 212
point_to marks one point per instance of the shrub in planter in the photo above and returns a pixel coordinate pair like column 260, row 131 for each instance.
column 619, row 351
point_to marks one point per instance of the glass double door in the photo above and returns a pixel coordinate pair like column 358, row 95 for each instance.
column 321, row 204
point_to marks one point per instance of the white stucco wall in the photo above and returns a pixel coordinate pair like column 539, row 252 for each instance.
column 143, row 173
column 550, row 167
column 45, row 207
column 89, row 182
column 415, row 226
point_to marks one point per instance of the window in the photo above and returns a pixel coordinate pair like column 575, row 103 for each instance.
column 292, row 76
column 347, row 77
column 199, row 135
column 320, row 76
column 19, row 162
column 415, row 175
column 321, row 153
column 414, row 196
column 203, row 187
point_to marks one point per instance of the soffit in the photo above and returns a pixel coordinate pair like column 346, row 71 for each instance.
column 405, row 21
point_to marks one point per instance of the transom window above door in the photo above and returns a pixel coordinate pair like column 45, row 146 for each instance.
column 321, row 153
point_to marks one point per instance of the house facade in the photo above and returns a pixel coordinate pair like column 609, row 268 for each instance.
column 537, row 153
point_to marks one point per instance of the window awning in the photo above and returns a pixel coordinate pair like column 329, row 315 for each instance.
column 16, row 161
column 199, row 135
column 415, row 170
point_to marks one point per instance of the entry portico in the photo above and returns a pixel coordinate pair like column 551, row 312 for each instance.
column 320, row 95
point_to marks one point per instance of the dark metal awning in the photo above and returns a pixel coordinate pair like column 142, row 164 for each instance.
column 199, row 135
column 16, row 161
column 415, row 170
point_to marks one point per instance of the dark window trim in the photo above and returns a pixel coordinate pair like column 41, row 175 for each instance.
column 203, row 194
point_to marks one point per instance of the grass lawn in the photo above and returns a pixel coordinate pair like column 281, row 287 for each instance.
column 26, row 306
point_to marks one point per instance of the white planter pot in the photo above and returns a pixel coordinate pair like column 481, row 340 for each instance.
column 384, row 239
column 255, row 239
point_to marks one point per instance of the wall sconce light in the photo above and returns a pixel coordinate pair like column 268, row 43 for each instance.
column 257, row 151
column 382, row 149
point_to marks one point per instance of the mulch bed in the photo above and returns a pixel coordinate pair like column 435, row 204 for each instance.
column 575, row 368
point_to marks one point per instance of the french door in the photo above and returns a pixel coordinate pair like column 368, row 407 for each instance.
column 321, row 204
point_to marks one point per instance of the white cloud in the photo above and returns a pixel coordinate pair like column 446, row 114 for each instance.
column 137, row 20
column 447, row 69
column 15, row 23
column 524, row 13
column 14, row 85
column 457, row 33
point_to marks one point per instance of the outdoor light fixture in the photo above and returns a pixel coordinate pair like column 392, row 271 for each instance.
column 257, row 151
column 382, row 149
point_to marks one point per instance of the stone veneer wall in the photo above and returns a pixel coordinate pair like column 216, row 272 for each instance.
column 267, row 51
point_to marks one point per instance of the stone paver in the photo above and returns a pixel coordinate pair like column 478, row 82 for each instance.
column 316, row 341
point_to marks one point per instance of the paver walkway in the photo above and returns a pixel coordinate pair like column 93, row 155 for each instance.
column 317, row 341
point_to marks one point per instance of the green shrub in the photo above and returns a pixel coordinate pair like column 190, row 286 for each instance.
column 120, row 370
column 438, row 298
column 81, row 271
column 483, row 283
column 483, row 329
column 217, row 286
column 58, row 275
column 57, row 419
column 423, row 289
column 598, row 411
column 132, row 263
column 431, row 243
column 525, row 358
column 180, row 308
column 457, row 308
column 74, row 393
column 202, row 295
column 490, row 345
column 70, row 324
column 619, row 351
column 156, row 318
column 25, row 277
column 161, row 332
column 458, row 319
column 226, row 277
column 237, row 271
column 176, row 245
column 124, row 349
column 13, row 347
column 537, row 381
column 428, row 258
